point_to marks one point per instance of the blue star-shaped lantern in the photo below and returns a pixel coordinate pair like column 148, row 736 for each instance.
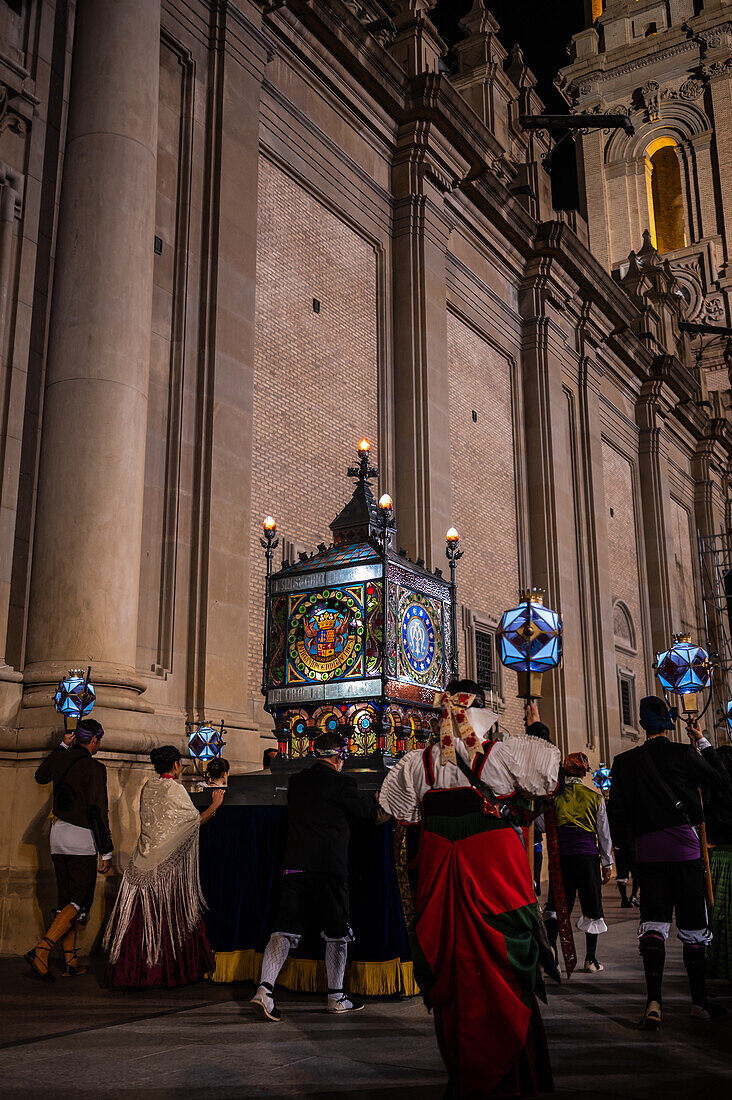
column 530, row 639
column 74, row 696
column 601, row 778
column 205, row 742
column 685, row 669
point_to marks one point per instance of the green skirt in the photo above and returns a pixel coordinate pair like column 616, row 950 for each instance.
column 719, row 956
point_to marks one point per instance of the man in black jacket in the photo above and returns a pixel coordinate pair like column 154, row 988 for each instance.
column 655, row 804
column 79, row 836
column 322, row 803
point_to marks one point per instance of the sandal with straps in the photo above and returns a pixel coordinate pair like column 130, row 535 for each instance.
column 33, row 961
column 72, row 971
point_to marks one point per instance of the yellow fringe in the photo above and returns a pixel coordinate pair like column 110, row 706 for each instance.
column 369, row 979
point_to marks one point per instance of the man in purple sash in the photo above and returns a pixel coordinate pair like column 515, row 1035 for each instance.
column 655, row 804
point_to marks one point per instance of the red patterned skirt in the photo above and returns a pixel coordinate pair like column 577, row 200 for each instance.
column 181, row 962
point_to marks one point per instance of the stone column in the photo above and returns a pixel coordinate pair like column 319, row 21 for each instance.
column 549, row 464
column 422, row 388
column 219, row 686
column 651, row 411
column 601, row 663
column 86, row 551
column 718, row 68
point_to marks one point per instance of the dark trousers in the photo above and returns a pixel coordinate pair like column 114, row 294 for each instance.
column 581, row 877
column 76, row 877
column 311, row 901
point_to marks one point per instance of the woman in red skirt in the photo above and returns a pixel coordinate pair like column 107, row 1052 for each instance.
column 156, row 935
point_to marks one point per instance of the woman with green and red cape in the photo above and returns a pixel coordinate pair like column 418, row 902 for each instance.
column 475, row 931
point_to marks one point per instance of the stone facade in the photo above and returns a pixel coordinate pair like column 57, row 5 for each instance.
column 236, row 236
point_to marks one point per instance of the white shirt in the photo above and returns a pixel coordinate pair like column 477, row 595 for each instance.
column 521, row 763
column 72, row 840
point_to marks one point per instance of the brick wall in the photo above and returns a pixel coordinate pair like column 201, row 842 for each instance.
column 483, row 484
column 315, row 380
column 624, row 549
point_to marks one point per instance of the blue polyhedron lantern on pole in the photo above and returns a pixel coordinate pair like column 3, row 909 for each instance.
column 75, row 696
column 530, row 640
column 685, row 669
column 205, row 742
column 601, row 778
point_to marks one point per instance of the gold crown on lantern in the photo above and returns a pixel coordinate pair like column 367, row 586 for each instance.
column 535, row 595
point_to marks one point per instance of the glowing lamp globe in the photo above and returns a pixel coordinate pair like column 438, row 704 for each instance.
column 386, row 503
column 74, row 696
column 269, row 523
column 364, row 446
column 205, row 742
column 685, row 669
column 452, row 534
column 601, row 778
column 530, row 641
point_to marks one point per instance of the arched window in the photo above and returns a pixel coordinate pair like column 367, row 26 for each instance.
column 623, row 628
column 665, row 202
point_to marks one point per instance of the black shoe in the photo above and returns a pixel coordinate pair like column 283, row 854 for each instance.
column 626, row 903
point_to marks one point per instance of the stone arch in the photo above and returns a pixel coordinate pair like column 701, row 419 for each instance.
column 663, row 123
column 677, row 119
column 623, row 627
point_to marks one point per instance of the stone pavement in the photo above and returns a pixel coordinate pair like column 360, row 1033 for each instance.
column 75, row 1039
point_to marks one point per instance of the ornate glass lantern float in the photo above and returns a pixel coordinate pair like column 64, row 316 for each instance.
column 530, row 640
column 75, row 696
column 205, row 742
column 358, row 637
column 685, row 669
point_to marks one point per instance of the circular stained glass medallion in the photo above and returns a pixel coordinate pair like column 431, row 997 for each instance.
column 418, row 638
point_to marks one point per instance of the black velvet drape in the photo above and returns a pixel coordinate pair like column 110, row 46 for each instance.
column 241, row 867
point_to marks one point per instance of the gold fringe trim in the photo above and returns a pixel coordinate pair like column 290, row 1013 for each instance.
column 368, row 979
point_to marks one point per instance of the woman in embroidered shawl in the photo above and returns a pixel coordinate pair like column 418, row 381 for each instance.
column 155, row 935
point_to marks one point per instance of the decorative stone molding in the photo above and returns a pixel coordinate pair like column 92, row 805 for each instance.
column 691, row 88
column 650, row 95
column 11, row 117
column 717, row 37
column 713, row 310
column 718, row 69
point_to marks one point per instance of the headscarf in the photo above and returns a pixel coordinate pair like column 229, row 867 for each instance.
column 576, row 763
column 454, row 707
column 655, row 716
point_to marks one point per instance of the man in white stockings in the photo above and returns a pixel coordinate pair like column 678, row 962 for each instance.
column 322, row 803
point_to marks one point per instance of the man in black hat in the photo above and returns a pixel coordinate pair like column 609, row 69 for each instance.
column 322, row 803
column 79, row 838
column 655, row 804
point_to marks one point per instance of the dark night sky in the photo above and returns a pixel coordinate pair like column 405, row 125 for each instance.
column 543, row 28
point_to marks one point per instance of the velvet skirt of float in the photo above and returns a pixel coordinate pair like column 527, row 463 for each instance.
column 475, row 949
column 183, row 959
column 241, row 862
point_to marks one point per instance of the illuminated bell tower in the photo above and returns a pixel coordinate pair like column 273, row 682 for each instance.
column 668, row 63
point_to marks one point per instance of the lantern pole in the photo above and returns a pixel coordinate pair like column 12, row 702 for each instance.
column 453, row 554
column 269, row 544
column 386, row 508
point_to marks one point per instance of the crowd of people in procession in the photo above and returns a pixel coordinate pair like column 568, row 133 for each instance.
column 482, row 947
